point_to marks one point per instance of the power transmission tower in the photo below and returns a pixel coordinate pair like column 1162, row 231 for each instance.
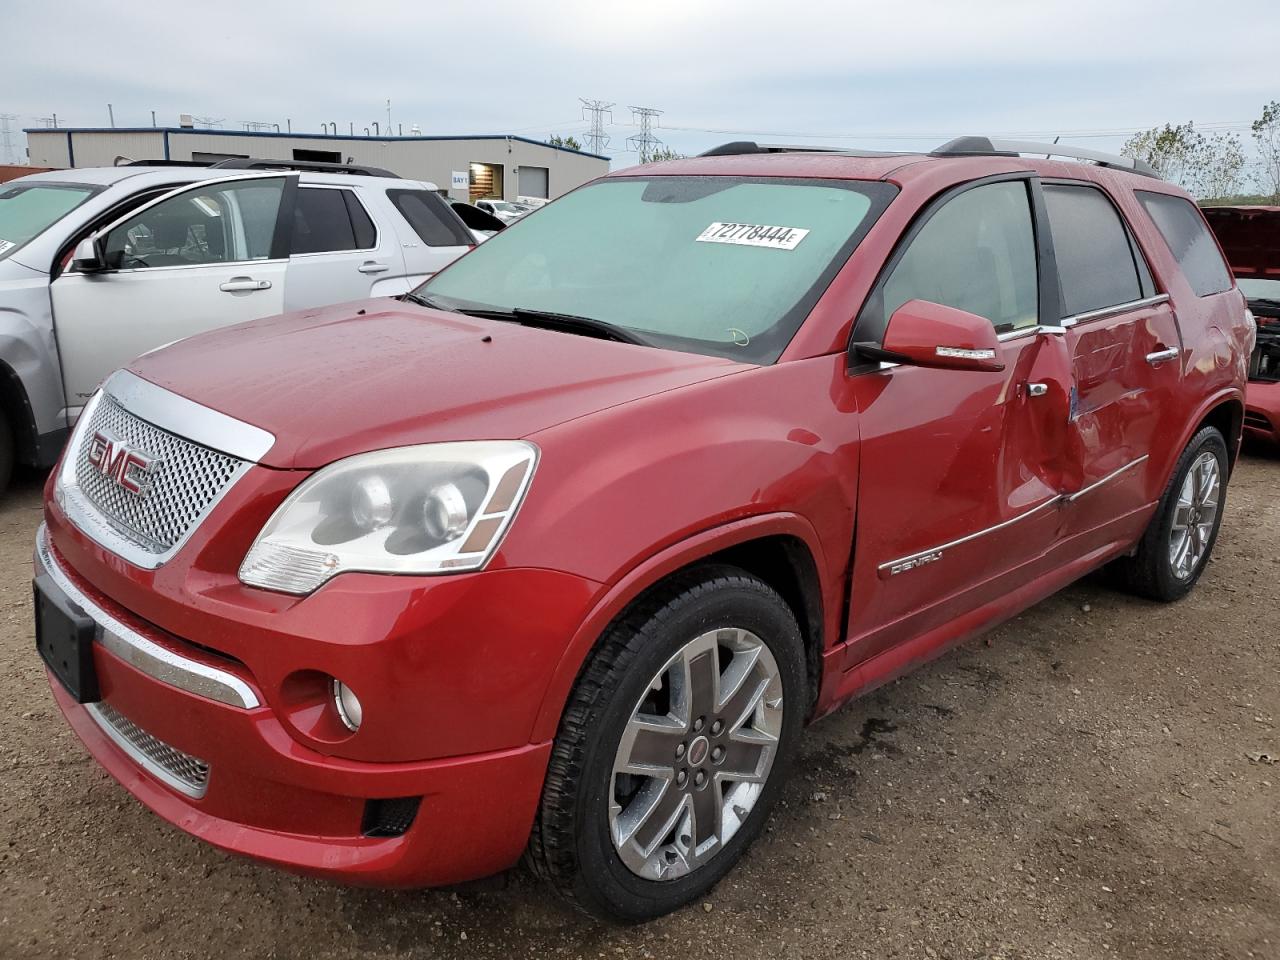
column 644, row 142
column 6, row 138
column 596, row 138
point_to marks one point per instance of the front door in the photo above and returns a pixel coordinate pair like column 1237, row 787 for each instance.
column 205, row 256
column 961, row 471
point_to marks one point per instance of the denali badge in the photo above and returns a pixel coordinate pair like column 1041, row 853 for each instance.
column 913, row 564
column 117, row 461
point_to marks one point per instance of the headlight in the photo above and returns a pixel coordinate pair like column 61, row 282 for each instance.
column 436, row 508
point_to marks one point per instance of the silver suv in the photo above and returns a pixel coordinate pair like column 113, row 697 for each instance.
column 98, row 266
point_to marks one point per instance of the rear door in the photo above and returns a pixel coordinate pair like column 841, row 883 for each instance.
column 204, row 256
column 337, row 251
column 430, row 232
column 1126, row 356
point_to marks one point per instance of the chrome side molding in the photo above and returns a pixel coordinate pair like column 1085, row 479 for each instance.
column 915, row 561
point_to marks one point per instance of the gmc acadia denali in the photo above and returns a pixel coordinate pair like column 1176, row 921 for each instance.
column 557, row 555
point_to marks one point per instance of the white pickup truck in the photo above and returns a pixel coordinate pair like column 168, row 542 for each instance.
column 100, row 265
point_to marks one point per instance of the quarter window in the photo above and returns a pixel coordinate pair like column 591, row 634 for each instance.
column 327, row 221
column 976, row 253
column 1183, row 229
column 226, row 223
column 432, row 220
column 1091, row 244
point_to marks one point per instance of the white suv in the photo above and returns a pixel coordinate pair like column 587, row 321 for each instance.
column 100, row 265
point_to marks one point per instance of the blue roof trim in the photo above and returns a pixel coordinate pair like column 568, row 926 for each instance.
column 270, row 134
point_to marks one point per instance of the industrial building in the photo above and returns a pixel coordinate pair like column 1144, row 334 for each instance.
column 468, row 168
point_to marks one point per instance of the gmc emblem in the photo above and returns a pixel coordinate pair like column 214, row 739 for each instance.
column 117, row 461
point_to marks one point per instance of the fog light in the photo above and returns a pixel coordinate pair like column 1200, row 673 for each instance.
column 348, row 706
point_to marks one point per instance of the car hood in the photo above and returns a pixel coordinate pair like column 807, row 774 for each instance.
column 366, row 376
column 1250, row 237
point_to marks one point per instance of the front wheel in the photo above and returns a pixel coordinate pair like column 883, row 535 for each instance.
column 673, row 747
column 1179, row 540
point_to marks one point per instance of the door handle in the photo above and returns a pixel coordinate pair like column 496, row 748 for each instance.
column 1162, row 356
column 238, row 284
column 1036, row 389
column 372, row 266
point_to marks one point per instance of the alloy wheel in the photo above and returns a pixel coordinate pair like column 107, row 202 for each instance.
column 1195, row 515
column 695, row 754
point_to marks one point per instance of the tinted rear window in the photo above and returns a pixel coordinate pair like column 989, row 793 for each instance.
column 321, row 222
column 1184, row 230
column 432, row 220
column 1095, row 259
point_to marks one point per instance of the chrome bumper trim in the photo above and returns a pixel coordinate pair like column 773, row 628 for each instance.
column 148, row 657
column 144, row 748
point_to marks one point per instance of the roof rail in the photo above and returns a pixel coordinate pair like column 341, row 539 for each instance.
column 161, row 163
column 318, row 166
column 740, row 147
column 986, row 147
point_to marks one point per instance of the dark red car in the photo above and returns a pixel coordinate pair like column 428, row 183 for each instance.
column 1250, row 237
column 559, row 554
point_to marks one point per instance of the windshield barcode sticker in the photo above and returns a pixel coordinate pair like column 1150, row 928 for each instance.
column 753, row 235
column 6, row 245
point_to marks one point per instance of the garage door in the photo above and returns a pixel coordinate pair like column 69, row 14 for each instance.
column 532, row 182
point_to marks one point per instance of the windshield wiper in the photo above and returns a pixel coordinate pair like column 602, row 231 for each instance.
column 422, row 301
column 549, row 320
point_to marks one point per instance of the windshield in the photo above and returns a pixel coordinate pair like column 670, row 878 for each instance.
column 725, row 266
column 27, row 210
column 1259, row 289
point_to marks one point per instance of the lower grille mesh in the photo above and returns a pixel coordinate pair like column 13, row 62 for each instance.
column 180, row 770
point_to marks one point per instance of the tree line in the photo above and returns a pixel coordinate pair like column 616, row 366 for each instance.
column 1215, row 167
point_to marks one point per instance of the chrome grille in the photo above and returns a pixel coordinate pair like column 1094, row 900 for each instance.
column 169, row 764
column 187, row 480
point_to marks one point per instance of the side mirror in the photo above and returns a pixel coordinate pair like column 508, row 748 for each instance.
column 925, row 334
column 89, row 256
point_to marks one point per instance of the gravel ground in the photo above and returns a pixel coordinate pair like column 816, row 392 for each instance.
column 1098, row 779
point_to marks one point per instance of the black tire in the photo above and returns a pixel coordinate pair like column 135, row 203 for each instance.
column 571, row 847
column 1149, row 572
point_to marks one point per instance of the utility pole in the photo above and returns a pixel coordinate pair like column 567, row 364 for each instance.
column 595, row 111
column 6, row 137
column 644, row 142
column 388, row 116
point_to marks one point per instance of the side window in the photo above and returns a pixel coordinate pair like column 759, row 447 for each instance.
column 976, row 253
column 225, row 223
column 323, row 222
column 366, row 233
column 1183, row 229
column 1091, row 244
column 432, row 220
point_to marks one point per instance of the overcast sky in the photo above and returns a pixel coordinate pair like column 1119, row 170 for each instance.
column 902, row 75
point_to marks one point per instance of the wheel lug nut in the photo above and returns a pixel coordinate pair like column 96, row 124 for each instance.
column 717, row 727
column 717, row 754
column 700, row 779
column 699, row 723
column 680, row 749
column 682, row 777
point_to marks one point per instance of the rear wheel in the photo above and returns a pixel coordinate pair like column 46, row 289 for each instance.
column 673, row 747
column 1179, row 540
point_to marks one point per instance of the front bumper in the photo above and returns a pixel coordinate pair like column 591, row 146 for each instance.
column 1262, row 410
column 279, row 796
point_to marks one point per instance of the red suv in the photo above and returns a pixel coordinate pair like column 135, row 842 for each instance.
column 559, row 554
